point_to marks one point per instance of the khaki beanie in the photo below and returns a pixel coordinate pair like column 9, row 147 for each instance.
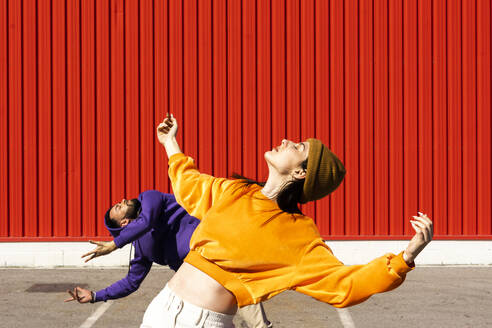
column 324, row 174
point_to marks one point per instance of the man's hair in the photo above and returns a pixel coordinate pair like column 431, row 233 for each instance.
column 133, row 213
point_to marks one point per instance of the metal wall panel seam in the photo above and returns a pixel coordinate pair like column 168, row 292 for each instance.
column 425, row 94
column 337, row 104
column 44, row 123
column 16, row 160
column 484, row 91
column 366, row 118
column 410, row 115
column 132, row 99
column 440, row 118
column 58, row 26
column 146, row 102
column 307, row 110
column 454, row 124
column 4, row 118
column 161, row 93
column 322, row 95
column 469, row 117
column 30, row 117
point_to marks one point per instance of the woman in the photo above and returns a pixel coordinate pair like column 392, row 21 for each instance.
column 253, row 241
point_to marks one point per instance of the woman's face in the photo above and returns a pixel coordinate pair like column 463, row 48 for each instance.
column 287, row 158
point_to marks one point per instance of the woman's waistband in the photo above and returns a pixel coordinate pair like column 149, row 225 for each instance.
column 193, row 312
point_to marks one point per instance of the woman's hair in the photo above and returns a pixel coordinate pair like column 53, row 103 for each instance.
column 290, row 194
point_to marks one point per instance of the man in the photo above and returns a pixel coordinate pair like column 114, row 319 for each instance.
column 163, row 230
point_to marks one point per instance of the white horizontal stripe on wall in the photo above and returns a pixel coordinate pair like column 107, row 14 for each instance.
column 68, row 254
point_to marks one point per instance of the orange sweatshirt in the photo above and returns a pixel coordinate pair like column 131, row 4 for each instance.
column 255, row 250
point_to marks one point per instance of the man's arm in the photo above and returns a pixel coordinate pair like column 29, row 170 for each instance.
column 139, row 268
column 152, row 203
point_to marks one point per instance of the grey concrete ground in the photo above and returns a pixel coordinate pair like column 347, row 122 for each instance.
column 431, row 297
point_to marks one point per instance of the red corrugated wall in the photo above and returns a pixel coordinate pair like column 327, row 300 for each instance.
column 400, row 90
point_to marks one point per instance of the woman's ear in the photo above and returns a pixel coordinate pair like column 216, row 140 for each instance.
column 299, row 174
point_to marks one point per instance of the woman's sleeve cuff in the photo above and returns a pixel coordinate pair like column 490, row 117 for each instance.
column 176, row 157
column 399, row 265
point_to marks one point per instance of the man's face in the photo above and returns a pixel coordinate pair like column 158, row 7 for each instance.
column 123, row 212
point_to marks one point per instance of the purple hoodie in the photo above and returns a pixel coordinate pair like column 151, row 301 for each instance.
column 160, row 234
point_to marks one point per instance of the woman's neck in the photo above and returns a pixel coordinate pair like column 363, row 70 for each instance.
column 274, row 185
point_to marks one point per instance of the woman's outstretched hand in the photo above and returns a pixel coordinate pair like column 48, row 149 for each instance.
column 167, row 129
column 103, row 248
column 424, row 232
column 166, row 133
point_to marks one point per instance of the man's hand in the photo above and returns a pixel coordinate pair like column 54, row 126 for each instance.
column 103, row 248
column 80, row 295
column 424, row 232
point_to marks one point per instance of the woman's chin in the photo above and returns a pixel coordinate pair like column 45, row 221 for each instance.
column 268, row 155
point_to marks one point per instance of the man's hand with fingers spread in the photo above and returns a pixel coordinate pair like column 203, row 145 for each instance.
column 80, row 295
column 103, row 248
column 424, row 232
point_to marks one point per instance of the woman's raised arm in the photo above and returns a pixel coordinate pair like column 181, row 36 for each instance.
column 166, row 133
column 194, row 191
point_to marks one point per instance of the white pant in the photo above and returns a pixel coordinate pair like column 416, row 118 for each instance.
column 168, row 310
column 255, row 316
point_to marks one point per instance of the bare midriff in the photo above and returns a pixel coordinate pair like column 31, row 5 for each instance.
column 198, row 288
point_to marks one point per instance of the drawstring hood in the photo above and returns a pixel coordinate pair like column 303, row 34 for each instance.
column 115, row 231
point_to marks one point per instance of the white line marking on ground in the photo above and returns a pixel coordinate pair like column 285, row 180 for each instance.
column 96, row 314
column 346, row 318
